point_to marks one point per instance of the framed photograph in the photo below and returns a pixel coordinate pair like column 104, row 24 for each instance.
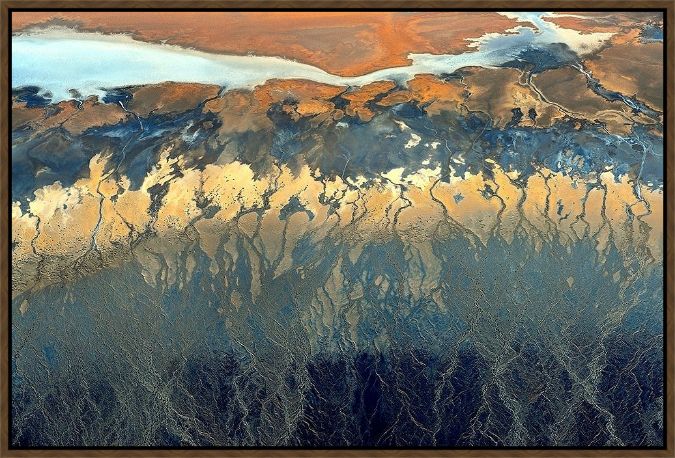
column 374, row 228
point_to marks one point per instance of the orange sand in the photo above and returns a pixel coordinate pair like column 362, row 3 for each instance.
column 343, row 43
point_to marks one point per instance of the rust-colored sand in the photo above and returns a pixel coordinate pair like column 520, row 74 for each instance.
column 343, row 43
column 614, row 22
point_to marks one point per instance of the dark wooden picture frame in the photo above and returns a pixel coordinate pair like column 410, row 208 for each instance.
column 8, row 6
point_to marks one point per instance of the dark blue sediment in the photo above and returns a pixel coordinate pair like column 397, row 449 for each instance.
column 504, row 353
column 359, row 149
